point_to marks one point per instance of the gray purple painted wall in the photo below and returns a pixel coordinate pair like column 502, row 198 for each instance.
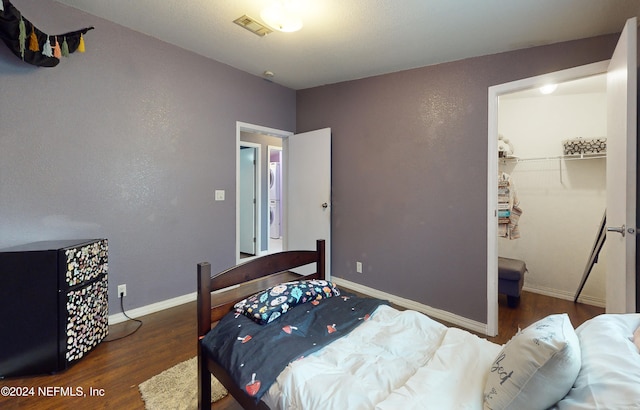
column 127, row 141
column 409, row 169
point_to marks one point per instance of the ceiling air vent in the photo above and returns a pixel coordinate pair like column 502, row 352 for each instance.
column 253, row 26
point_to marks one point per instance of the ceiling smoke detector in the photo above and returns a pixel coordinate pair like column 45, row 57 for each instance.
column 253, row 26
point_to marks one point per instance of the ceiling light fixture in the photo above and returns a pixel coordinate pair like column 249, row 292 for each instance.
column 548, row 89
column 282, row 16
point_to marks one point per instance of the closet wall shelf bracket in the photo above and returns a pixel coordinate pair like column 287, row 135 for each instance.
column 585, row 156
column 559, row 158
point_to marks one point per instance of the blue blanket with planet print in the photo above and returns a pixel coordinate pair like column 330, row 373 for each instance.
column 254, row 354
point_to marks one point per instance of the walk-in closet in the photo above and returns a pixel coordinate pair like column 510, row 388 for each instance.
column 553, row 148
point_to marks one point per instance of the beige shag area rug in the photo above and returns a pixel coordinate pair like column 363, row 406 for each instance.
column 177, row 388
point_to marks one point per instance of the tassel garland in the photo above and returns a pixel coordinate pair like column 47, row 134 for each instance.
column 57, row 52
column 65, row 48
column 81, row 45
column 33, row 40
column 31, row 44
column 47, row 50
column 22, row 37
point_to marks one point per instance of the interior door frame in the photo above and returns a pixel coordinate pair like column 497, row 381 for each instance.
column 494, row 92
column 257, row 175
column 254, row 129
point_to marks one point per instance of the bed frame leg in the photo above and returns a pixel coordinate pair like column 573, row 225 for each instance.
column 204, row 384
column 204, row 325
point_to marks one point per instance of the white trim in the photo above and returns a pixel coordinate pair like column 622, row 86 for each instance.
column 406, row 303
column 492, row 168
column 413, row 305
column 246, row 127
column 153, row 308
column 569, row 74
column 492, row 215
column 565, row 295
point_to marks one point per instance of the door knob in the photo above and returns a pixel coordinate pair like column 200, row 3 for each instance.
column 619, row 229
column 325, row 205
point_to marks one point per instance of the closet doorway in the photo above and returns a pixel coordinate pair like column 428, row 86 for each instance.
column 562, row 194
column 621, row 185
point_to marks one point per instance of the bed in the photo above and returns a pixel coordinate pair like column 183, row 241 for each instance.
column 283, row 341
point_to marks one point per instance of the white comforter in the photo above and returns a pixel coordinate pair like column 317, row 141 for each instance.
column 395, row 360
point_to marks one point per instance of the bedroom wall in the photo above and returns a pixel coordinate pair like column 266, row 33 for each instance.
column 562, row 199
column 127, row 141
column 409, row 171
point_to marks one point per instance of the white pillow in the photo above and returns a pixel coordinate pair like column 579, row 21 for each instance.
column 536, row 368
column 610, row 374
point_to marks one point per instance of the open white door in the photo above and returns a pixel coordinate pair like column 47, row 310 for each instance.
column 307, row 170
column 621, row 173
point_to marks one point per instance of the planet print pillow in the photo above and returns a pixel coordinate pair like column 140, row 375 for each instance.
column 268, row 305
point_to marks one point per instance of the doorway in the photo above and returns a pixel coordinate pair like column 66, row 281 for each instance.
column 265, row 141
column 562, row 194
column 492, row 195
column 305, row 190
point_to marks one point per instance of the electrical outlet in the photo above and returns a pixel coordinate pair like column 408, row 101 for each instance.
column 359, row 267
column 122, row 290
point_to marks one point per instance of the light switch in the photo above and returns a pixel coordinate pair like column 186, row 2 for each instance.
column 219, row 194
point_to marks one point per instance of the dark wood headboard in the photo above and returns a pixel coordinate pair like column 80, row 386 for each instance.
column 248, row 278
column 230, row 287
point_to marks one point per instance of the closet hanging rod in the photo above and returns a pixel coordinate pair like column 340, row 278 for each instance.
column 558, row 157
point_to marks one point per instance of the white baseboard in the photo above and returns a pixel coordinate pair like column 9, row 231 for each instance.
column 406, row 303
column 456, row 319
column 152, row 308
column 562, row 294
column 413, row 305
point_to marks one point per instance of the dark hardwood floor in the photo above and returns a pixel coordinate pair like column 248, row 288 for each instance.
column 534, row 307
column 115, row 369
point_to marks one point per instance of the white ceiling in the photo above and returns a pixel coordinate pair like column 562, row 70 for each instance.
column 349, row 39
